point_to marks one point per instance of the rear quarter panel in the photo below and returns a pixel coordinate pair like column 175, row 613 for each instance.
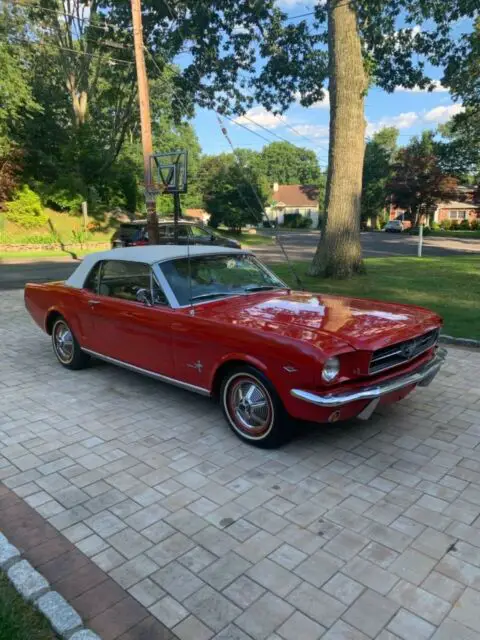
column 43, row 299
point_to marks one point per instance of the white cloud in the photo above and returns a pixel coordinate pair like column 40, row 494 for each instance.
column 400, row 121
column 315, row 131
column 441, row 114
column 438, row 87
column 262, row 117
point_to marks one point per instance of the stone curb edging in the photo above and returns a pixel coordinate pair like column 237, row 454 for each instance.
column 460, row 342
column 34, row 588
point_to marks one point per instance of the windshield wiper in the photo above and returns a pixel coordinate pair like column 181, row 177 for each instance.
column 262, row 287
column 216, row 294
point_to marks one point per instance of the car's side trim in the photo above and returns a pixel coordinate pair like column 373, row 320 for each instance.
column 421, row 376
column 151, row 374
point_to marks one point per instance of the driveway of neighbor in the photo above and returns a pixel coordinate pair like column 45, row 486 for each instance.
column 362, row 530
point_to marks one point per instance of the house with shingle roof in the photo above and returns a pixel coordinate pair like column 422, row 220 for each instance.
column 293, row 198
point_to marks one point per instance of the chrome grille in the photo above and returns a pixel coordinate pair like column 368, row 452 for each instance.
column 402, row 352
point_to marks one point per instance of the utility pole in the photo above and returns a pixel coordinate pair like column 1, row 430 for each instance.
column 145, row 120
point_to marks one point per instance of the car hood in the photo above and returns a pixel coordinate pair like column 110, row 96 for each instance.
column 362, row 324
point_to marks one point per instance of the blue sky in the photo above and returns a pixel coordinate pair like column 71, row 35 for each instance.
column 410, row 111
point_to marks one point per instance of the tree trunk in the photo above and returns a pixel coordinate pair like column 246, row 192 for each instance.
column 339, row 253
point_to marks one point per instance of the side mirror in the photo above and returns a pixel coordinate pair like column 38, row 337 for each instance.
column 144, row 296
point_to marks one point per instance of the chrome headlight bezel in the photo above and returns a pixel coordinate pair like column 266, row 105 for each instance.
column 331, row 369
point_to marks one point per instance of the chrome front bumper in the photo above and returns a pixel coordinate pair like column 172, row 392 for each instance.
column 421, row 376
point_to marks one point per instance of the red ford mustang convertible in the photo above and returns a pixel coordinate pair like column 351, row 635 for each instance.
column 218, row 322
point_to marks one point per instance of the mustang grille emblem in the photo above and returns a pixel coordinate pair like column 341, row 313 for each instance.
column 408, row 349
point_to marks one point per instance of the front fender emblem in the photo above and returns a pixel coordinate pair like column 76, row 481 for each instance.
column 289, row 369
column 196, row 365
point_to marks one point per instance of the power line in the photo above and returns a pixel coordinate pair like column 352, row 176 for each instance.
column 33, row 5
column 58, row 47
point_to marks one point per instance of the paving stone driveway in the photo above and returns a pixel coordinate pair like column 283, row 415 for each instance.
column 365, row 530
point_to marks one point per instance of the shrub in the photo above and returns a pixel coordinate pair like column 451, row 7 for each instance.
column 475, row 224
column 465, row 225
column 26, row 209
column 454, row 226
column 446, row 225
column 435, row 226
column 65, row 195
column 304, row 223
column 296, row 221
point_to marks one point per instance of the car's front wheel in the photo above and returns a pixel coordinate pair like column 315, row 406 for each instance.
column 66, row 347
column 253, row 408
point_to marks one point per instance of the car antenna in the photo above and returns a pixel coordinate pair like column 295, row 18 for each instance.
column 277, row 236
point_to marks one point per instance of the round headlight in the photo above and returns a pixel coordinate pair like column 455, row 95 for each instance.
column 331, row 369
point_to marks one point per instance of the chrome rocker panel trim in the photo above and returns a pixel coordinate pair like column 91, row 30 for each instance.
column 422, row 376
column 151, row 374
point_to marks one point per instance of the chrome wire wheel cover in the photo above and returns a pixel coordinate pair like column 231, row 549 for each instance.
column 63, row 342
column 249, row 406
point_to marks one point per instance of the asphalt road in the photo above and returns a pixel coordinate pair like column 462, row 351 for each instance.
column 299, row 246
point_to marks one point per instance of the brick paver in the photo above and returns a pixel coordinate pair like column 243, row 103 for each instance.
column 361, row 530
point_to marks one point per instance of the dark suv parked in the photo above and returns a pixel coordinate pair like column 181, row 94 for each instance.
column 135, row 233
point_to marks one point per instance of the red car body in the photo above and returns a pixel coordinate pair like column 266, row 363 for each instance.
column 286, row 335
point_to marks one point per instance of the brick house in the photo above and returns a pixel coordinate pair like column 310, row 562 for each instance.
column 293, row 198
column 458, row 211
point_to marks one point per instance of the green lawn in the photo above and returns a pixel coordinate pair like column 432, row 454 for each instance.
column 247, row 239
column 450, row 286
column 454, row 234
column 19, row 620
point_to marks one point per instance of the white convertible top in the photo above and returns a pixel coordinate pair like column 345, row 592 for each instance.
column 149, row 254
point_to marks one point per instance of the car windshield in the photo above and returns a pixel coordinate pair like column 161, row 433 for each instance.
column 217, row 276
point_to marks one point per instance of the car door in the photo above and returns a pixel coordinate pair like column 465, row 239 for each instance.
column 183, row 236
column 129, row 331
column 201, row 235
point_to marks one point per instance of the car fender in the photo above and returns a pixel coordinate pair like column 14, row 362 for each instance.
column 236, row 357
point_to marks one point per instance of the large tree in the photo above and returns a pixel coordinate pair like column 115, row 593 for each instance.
column 234, row 194
column 377, row 169
column 418, row 181
column 286, row 163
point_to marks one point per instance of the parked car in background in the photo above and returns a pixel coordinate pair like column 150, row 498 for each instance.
column 135, row 233
column 394, row 226
column 216, row 321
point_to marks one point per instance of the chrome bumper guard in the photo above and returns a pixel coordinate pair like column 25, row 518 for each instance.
column 421, row 376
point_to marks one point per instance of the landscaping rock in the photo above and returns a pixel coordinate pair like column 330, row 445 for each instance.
column 8, row 553
column 63, row 618
column 28, row 582
column 84, row 634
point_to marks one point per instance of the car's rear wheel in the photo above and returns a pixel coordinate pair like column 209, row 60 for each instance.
column 253, row 408
column 66, row 347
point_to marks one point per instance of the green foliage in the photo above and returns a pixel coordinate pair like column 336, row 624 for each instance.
column 377, row 171
column 475, row 224
column 26, row 209
column 296, row 221
column 286, row 163
column 418, row 181
column 233, row 195
column 65, row 194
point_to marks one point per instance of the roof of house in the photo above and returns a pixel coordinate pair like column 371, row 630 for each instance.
column 148, row 254
column 455, row 204
column 196, row 213
column 296, row 195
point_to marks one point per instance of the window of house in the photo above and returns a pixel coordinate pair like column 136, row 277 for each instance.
column 457, row 214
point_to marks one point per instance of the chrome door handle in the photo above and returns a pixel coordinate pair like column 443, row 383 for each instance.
column 93, row 302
